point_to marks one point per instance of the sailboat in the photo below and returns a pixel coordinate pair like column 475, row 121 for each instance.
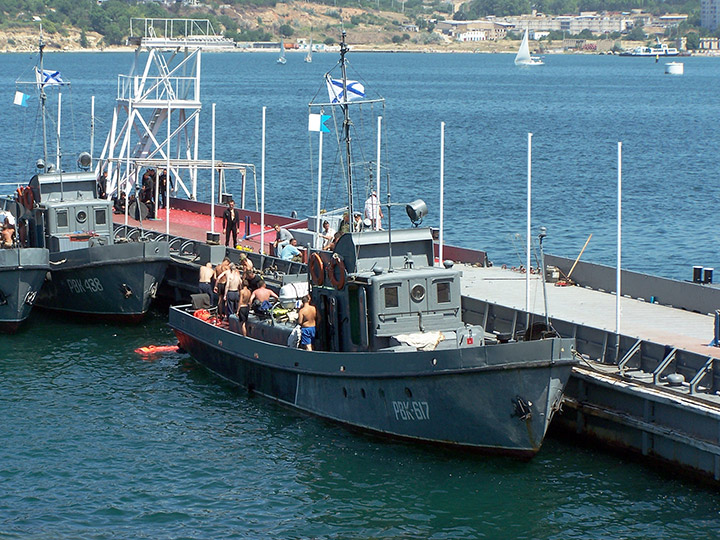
column 281, row 60
column 523, row 57
column 308, row 57
column 90, row 274
column 392, row 351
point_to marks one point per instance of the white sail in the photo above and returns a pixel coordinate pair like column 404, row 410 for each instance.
column 282, row 60
column 523, row 57
column 308, row 58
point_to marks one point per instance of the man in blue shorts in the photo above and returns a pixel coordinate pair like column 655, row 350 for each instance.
column 307, row 317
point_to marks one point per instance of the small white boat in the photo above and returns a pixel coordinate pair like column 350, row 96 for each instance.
column 657, row 50
column 308, row 57
column 523, row 57
column 282, row 59
column 674, row 68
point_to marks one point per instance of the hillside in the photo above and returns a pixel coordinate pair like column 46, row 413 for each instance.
column 366, row 28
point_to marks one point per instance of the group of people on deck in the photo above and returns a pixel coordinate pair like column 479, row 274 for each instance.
column 238, row 288
column 147, row 192
column 151, row 182
column 372, row 221
column 285, row 246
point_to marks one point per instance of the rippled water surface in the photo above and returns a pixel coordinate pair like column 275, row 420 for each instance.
column 100, row 443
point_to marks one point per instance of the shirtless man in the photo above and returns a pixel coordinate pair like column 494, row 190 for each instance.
column 220, row 279
column 262, row 293
column 244, row 309
column 8, row 233
column 245, row 264
column 207, row 274
column 307, row 318
column 232, row 286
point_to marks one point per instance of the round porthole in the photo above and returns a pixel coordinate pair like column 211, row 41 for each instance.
column 81, row 216
column 417, row 293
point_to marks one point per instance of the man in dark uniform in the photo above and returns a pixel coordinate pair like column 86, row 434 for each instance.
column 147, row 193
column 231, row 222
column 162, row 180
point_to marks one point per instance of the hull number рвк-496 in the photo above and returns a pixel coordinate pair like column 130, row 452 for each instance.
column 79, row 286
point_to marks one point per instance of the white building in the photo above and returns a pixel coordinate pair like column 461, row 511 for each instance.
column 479, row 30
column 472, row 35
column 597, row 23
column 710, row 14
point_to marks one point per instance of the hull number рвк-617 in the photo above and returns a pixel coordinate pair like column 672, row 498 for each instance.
column 411, row 410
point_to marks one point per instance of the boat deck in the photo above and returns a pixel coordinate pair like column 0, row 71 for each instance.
column 678, row 328
column 195, row 226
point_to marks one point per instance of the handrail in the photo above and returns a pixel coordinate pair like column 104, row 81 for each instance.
column 662, row 365
column 700, row 374
column 628, row 355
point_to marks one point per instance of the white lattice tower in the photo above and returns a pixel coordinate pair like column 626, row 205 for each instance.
column 157, row 116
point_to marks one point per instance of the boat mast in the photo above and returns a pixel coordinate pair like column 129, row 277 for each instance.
column 43, row 99
column 346, row 127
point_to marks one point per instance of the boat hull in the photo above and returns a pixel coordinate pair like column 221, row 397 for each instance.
column 22, row 272
column 497, row 398
column 116, row 281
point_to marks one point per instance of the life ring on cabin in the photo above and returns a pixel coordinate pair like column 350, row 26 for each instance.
column 337, row 265
column 28, row 199
column 19, row 195
column 317, row 269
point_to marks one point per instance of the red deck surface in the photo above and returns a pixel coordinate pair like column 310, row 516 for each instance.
column 195, row 226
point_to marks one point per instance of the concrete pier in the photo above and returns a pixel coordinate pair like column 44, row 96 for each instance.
column 652, row 388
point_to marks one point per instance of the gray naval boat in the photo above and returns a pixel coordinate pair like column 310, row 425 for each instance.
column 393, row 355
column 22, row 273
column 62, row 213
column 90, row 274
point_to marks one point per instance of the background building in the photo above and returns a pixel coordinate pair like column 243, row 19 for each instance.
column 710, row 14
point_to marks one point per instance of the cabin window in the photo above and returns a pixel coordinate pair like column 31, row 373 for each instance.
column 81, row 216
column 443, row 292
column 391, row 297
column 100, row 216
column 62, row 218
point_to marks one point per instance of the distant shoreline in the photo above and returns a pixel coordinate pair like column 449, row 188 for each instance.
column 502, row 47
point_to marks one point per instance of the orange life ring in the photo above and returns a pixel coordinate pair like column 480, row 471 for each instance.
column 28, row 198
column 19, row 195
column 317, row 270
column 202, row 314
column 337, row 264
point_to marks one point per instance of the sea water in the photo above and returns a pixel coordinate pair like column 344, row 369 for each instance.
column 99, row 442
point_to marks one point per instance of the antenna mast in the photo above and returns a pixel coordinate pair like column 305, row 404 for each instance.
column 43, row 99
column 346, row 126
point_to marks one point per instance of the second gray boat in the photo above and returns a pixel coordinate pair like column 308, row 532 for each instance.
column 394, row 355
column 90, row 274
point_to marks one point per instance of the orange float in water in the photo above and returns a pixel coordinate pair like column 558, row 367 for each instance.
column 156, row 349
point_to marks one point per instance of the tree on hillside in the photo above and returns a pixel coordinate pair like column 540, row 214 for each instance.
column 286, row 30
column 500, row 8
column 637, row 34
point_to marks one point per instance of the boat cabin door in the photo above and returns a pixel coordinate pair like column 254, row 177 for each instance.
column 329, row 323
